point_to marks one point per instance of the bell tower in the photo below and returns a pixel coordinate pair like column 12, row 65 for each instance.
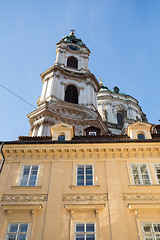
column 69, row 92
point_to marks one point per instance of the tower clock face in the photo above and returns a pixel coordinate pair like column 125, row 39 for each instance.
column 73, row 48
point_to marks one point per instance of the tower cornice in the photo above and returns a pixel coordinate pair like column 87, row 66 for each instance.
column 66, row 72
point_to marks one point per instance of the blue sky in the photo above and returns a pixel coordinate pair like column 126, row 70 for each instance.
column 123, row 36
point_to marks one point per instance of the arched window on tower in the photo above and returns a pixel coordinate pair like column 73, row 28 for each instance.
column 72, row 62
column 71, row 94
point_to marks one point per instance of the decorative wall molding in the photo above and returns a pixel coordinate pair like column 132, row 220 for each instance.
column 23, row 197
column 141, row 197
column 16, row 153
column 85, row 197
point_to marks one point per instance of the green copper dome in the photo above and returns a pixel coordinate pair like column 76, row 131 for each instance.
column 115, row 89
column 73, row 39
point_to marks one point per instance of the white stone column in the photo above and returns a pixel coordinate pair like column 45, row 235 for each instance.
column 93, row 96
column 49, row 86
column 80, row 95
column 87, row 62
column 96, row 100
column 39, row 133
column 88, row 97
column 53, row 85
column 62, row 92
column 43, row 90
column 34, row 131
column 59, row 56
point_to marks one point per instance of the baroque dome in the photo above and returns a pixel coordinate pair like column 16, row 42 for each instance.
column 118, row 109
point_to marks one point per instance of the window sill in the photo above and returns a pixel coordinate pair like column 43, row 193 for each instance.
column 85, row 187
column 151, row 185
column 26, row 187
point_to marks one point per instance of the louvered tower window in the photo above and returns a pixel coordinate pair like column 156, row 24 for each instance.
column 71, row 94
column 72, row 62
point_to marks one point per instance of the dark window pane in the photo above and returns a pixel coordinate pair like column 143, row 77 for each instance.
column 80, row 237
column 32, row 183
column 21, row 237
column 90, row 237
column 72, row 62
column 27, row 168
column 80, row 183
column 89, row 167
column 33, row 178
column 23, row 227
column 13, row 228
column 79, row 227
column 24, row 178
column 80, row 177
column 35, row 168
column 34, row 172
column 71, row 94
column 89, row 227
column 88, row 177
column 88, row 183
column 26, row 172
column 61, row 138
column 120, row 118
column 23, row 183
column 141, row 136
column 11, row 237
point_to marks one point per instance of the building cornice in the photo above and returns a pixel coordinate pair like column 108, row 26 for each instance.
column 65, row 152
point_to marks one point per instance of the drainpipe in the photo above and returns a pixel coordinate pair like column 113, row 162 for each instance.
column 3, row 160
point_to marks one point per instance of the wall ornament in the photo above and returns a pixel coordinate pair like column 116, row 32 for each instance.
column 85, row 197
column 23, row 197
column 141, row 197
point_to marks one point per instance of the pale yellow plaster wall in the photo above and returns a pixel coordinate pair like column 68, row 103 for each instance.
column 113, row 184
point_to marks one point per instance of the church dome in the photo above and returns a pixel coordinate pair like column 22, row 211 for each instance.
column 118, row 109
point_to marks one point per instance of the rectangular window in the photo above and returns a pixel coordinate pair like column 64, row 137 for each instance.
column 140, row 174
column 92, row 134
column 151, row 231
column 85, row 231
column 17, row 231
column 157, row 169
column 29, row 175
column 84, row 175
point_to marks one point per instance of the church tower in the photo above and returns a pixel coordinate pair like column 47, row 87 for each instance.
column 69, row 93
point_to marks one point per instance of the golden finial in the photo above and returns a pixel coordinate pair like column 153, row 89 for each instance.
column 100, row 81
column 72, row 32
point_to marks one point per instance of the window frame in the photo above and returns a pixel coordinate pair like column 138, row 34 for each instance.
column 21, row 175
column 158, row 181
column 85, row 174
column 153, row 234
column 92, row 134
column 85, row 233
column 17, row 233
column 140, row 175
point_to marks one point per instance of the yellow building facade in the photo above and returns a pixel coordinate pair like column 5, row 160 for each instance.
column 72, row 178
column 122, row 201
